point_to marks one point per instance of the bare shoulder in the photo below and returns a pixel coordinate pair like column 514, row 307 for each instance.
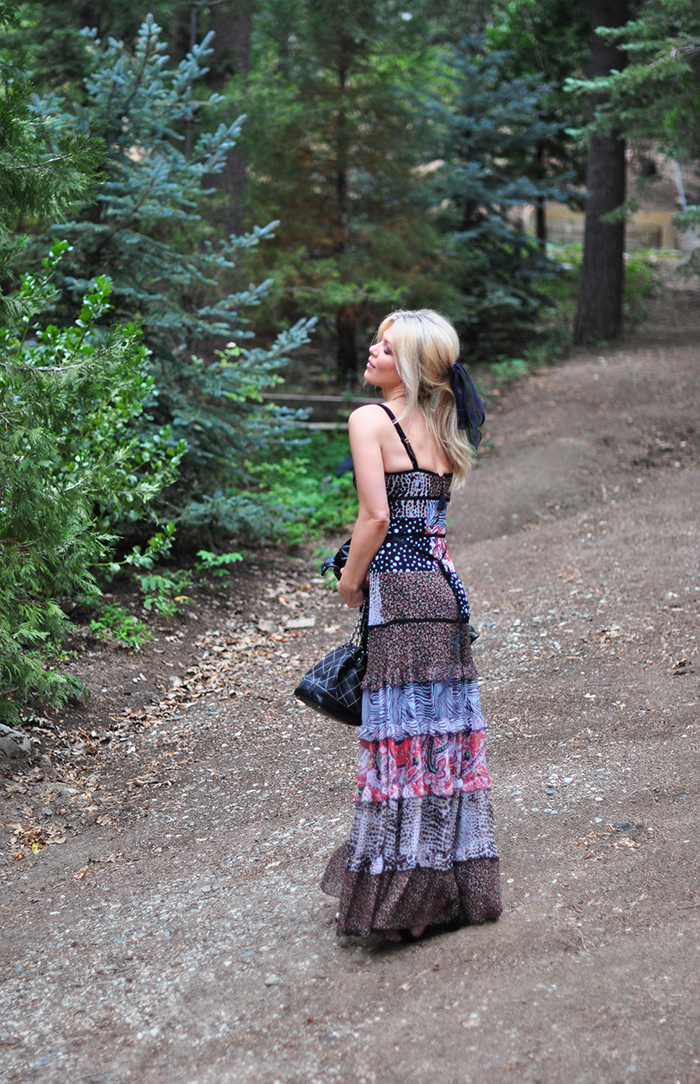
column 368, row 419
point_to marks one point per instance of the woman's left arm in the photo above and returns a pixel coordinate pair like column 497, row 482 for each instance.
column 365, row 427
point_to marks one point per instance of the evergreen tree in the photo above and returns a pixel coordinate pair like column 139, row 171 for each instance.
column 494, row 125
column 45, row 37
column 341, row 125
column 39, row 176
column 146, row 232
column 656, row 94
column 547, row 38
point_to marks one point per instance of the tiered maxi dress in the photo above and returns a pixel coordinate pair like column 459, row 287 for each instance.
column 422, row 848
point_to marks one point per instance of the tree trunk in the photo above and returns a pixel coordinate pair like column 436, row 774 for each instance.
column 346, row 316
column 231, row 22
column 540, row 208
column 341, row 176
column 541, row 222
column 346, row 326
column 599, row 314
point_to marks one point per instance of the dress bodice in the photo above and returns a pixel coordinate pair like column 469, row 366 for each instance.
column 418, row 501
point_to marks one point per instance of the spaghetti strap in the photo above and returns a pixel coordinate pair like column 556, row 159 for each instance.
column 404, row 439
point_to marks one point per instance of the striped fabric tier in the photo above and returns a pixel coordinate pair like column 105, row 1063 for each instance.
column 422, row 847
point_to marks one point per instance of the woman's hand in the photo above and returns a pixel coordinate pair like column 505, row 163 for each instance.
column 351, row 596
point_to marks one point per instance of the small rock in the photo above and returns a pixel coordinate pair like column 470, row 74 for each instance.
column 272, row 980
column 14, row 743
column 301, row 623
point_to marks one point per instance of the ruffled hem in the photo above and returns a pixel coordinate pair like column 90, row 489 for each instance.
column 467, row 893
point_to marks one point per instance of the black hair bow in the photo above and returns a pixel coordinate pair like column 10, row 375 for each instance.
column 470, row 412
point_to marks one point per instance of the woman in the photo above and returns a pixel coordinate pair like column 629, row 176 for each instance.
column 422, row 848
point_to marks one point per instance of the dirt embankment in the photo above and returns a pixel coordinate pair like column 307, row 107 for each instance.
column 172, row 929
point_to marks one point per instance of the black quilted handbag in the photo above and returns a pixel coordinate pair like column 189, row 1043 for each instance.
column 334, row 685
column 338, row 561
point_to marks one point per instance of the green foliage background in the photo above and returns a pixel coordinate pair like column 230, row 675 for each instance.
column 164, row 199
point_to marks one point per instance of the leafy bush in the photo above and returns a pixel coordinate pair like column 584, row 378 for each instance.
column 506, row 369
column 303, row 496
column 125, row 628
column 217, row 564
column 642, row 281
column 164, row 590
column 72, row 463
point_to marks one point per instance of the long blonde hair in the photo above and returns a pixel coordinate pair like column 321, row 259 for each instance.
column 425, row 346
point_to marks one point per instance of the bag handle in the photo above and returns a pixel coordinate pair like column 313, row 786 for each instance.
column 361, row 630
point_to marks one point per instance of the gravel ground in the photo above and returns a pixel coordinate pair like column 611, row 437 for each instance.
column 171, row 929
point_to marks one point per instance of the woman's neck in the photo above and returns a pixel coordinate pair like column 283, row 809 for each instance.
column 393, row 398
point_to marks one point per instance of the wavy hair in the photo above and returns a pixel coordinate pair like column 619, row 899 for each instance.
column 425, row 347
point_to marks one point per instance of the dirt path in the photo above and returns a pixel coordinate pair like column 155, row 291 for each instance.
column 178, row 935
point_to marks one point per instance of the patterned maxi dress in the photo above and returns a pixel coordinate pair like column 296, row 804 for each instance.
column 422, row 847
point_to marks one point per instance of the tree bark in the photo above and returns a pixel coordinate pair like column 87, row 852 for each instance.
column 346, row 327
column 341, row 176
column 599, row 313
column 540, row 207
column 231, row 22
column 346, row 316
column 541, row 222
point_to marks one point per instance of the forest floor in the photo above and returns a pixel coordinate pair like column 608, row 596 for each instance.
column 162, row 848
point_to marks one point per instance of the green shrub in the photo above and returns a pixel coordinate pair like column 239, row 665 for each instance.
column 309, row 499
column 164, row 590
column 72, row 463
column 125, row 628
column 217, row 564
column 641, row 282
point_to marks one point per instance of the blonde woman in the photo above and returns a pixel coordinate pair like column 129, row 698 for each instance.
column 422, row 850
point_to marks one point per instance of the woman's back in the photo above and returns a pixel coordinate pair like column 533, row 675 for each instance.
column 428, row 456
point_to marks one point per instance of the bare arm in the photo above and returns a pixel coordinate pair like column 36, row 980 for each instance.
column 365, row 429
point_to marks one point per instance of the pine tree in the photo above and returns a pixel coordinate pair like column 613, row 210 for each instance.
column 39, row 175
column 145, row 231
column 547, row 38
column 655, row 95
column 341, row 125
column 493, row 126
